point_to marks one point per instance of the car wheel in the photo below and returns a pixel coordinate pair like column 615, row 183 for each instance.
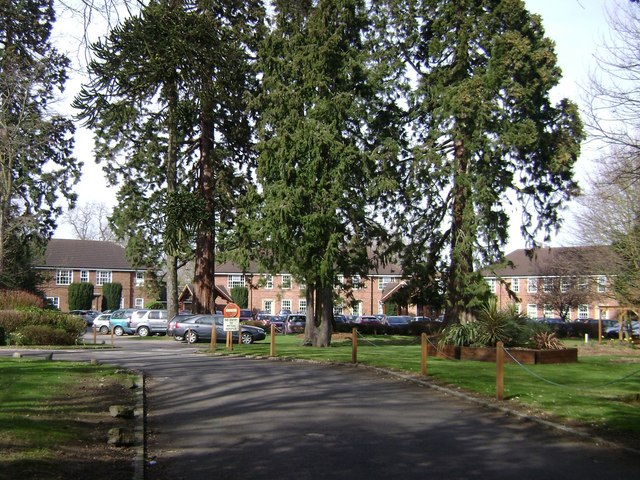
column 191, row 336
column 118, row 331
column 178, row 338
column 104, row 330
column 143, row 331
column 246, row 338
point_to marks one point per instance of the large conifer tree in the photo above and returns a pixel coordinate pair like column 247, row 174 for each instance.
column 317, row 162
column 36, row 166
column 485, row 133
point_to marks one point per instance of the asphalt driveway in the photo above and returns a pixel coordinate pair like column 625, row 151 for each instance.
column 240, row 418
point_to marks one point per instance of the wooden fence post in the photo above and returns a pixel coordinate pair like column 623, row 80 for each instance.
column 272, row 348
column 424, row 354
column 354, row 345
column 499, row 370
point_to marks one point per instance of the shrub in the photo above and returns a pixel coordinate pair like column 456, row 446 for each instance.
column 43, row 335
column 430, row 328
column 460, row 334
column 15, row 322
column 240, row 296
column 12, row 299
column 111, row 295
column 547, row 341
column 2, row 336
column 80, row 296
column 155, row 305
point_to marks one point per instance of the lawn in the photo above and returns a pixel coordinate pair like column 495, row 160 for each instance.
column 55, row 418
column 601, row 392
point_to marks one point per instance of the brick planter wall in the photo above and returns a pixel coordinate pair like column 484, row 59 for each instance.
column 488, row 354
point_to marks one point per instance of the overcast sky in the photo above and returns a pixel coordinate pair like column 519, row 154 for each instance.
column 578, row 27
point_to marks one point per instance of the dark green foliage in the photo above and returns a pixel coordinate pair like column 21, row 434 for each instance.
column 240, row 296
column 80, row 296
column 2, row 335
column 391, row 308
column 483, row 130
column 111, row 296
column 155, row 306
column 41, row 327
column 37, row 169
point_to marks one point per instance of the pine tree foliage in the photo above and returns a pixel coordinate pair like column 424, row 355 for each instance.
column 36, row 165
column 484, row 133
column 319, row 152
column 155, row 80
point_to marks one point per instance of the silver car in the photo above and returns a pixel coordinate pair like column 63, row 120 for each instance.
column 149, row 322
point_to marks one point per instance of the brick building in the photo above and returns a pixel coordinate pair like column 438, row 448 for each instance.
column 76, row 261
column 522, row 280
column 272, row 293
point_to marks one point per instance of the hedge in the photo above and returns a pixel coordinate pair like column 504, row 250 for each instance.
column 12, row 299
column 53, row 326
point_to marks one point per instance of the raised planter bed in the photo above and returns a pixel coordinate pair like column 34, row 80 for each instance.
column 488, row 354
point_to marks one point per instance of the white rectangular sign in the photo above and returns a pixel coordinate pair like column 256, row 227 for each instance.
column 231, row 325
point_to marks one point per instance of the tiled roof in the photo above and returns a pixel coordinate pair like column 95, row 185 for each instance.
column 84, row 254
column 593, row 260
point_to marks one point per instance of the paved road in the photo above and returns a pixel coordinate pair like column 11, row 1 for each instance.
column 233, row 418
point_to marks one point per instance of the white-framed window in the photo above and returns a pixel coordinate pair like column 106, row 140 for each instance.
column 515, row 285
column 383, row 281
column 337, row 308
column 302, row 305
column 139, row 302
column 532, row 310
column 268, row 282
column 532, row 285
column 139, row 278
column 64, row 277
column 285, row 304
column 357, row 308
column 492, row 284
column 339, row 280
column 604, row 313
column 267, row 306
column 547, row 311
column 235, row 281
column 103, row 276
column 285, row 282
column 547, row 285
column 583, row 311
column 84, row 276
column 602, row 284
column 356, row 281
column 54, row 301
column 564, row 285
column 583, row 283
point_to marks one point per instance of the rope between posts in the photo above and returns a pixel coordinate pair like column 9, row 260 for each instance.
column 438, row 349
column 539, row 377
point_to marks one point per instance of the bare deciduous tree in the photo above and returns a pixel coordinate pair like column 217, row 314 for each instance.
column 90, row 221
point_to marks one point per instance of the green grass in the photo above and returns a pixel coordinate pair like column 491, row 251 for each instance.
column 602, row 392
column 41, row 402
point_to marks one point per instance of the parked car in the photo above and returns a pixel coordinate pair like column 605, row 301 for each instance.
column 171, row 325
column 421, row 319
column 101, row 323
column 199, row 327
column 398, row 324
column 278, row 321
column 631, row 329
column 246, row 315
column 295, row 323
column 369, row 320
column 120, row 321
column 150, row 322
column 87, row 315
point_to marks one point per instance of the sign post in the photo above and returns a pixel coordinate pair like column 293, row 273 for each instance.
column 231, row 322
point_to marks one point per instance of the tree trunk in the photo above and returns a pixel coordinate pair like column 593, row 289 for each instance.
column 204, row 295
column 461, row 263
column 171, row 171
column 323, row 332
column 310, row 324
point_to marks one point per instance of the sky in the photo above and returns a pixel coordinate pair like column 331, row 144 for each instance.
column 578, row 28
